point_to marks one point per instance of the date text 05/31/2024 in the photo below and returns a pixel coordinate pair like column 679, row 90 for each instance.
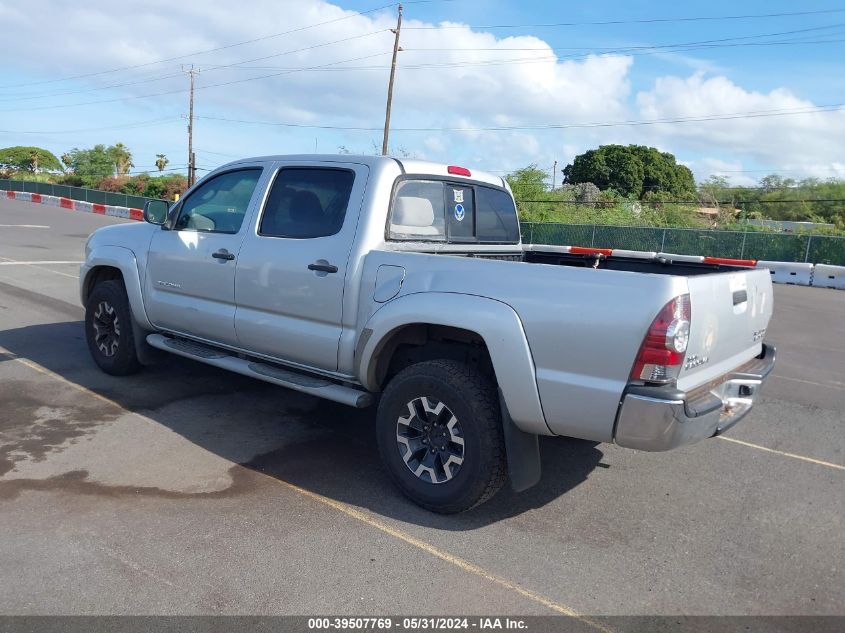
column 413, row 624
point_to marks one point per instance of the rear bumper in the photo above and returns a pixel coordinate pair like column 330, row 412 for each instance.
column 663, row 418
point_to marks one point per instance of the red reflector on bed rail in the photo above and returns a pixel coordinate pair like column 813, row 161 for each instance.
column 583, row 250
column 459, row 171
column 727, row 261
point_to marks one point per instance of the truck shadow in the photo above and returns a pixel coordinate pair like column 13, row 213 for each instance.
column 320, row 446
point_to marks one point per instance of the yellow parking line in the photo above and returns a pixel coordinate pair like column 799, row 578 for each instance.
column 465, row 565
column 51, row 374
column 783, row 453
column 359, row 515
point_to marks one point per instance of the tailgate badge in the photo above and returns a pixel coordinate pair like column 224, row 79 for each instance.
column 695, row 361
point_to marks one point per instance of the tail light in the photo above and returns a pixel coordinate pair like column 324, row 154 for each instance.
column 661, row 355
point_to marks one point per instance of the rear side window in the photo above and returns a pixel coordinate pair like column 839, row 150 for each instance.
column 496, row 216
column 306, row 202
column 442, row 211
column 418, row 212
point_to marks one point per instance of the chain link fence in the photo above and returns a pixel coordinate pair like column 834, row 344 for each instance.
column 779, row 247
column 74, row 193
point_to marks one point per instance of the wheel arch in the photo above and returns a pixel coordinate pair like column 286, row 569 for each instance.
column 115, row 262
column 491, row 328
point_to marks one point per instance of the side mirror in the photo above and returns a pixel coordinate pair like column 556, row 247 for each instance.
column 155, row 211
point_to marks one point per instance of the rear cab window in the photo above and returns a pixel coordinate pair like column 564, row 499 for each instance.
column 435, row 210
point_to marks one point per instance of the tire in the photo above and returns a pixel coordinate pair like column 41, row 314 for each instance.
column 467, row 463
column 108, row 329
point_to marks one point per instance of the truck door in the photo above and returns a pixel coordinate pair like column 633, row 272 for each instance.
column 291, row 270
column 190, row 280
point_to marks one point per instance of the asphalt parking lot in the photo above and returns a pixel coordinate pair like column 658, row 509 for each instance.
column 189, row 490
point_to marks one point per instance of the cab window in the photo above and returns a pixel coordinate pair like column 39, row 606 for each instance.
column 219, row 204
column 307, row 202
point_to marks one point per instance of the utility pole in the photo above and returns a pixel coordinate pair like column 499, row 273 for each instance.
column 396, row 49
column 191, row 167
column 554, row 175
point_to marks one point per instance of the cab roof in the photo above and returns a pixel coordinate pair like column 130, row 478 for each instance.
column 408, row 165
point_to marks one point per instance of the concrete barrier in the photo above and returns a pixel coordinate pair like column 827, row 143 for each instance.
column 789, row 273
column 619, row 252
column 826, row 276
column 695, row 259
column 77, row 205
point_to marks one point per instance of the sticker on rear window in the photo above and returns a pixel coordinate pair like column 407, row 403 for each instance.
column 459, row 212
column 459, row 195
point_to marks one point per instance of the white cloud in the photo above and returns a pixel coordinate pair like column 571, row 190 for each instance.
column 810, row 143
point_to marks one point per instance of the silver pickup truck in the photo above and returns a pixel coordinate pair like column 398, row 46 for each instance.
column 402, row 283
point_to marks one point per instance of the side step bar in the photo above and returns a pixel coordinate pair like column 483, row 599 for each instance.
column 313, row 385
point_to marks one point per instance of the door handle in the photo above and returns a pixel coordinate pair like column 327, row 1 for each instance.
column 323, row 268
column 223, row 254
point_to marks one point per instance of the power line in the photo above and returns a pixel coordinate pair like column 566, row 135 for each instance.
column 713, row 41
column 208, row 151
column 212, row 68
column 202, row 52
column 180, row 91
column 531, row 60
column 123, row 126
column 622, row 22
column 716, row 117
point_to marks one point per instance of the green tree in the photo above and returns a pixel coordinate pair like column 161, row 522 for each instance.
column 29, row 158
column 67, row 160
column 92, row 164
column 161, row 161
column 528, row 183
column 631, row 171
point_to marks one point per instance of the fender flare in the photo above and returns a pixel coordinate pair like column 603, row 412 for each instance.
column 495, row 322
column 124, row 260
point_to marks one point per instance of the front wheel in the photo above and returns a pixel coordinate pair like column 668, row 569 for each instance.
column 439, row 432
column 108, row 329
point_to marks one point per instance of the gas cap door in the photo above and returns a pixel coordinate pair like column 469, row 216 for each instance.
column 388, row 282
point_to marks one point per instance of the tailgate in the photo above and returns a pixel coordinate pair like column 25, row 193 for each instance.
column 730, row 314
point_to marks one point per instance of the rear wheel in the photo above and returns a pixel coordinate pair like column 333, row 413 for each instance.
column 108, row 329
column 439, row 434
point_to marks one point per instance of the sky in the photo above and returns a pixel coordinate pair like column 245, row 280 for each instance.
column 738, row 90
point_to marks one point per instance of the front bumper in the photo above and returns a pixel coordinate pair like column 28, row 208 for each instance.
column 662, row 418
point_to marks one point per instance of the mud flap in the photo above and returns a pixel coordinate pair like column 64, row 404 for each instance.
column 147, row 354
column 523, row 452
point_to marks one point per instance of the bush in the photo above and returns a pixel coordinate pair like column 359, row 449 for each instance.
column 114, row 184
column 72, row 180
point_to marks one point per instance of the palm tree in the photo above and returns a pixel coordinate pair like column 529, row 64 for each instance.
column 122, row 158
column 161, row 161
